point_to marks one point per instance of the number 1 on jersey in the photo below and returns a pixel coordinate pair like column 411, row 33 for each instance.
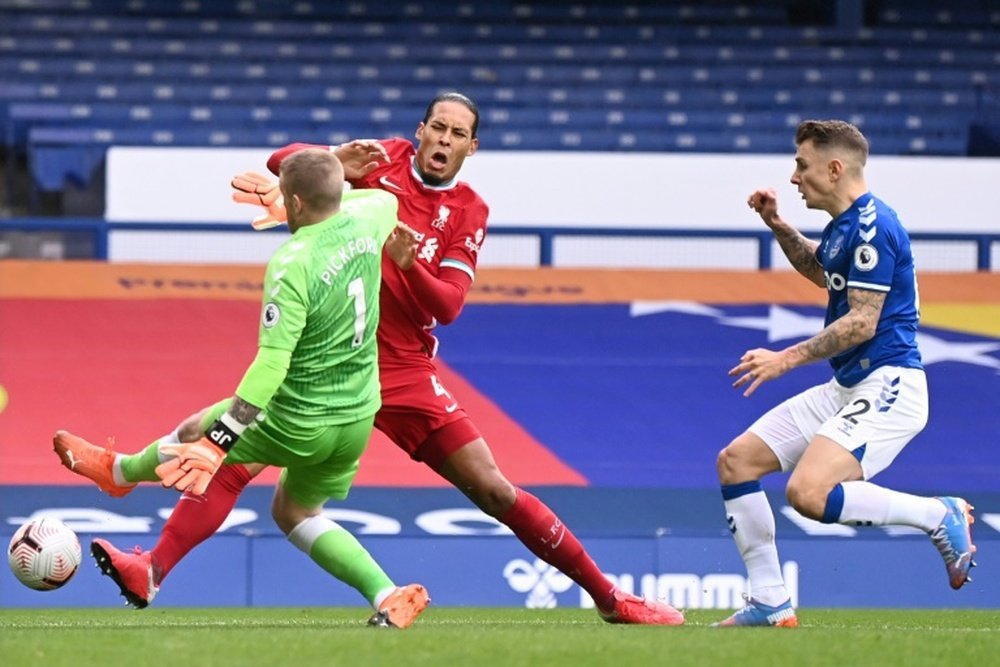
column 356, row 291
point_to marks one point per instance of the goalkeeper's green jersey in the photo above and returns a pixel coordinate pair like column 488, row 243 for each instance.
column 321, row 304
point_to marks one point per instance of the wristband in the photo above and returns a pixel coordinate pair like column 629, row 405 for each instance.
column 225, row 432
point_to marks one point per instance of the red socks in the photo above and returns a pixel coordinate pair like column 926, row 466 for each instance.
column 548, row 538
column 196, row 518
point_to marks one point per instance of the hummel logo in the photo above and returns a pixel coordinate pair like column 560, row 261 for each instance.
column 539, row 580
column 389, row 184
column 732, row 524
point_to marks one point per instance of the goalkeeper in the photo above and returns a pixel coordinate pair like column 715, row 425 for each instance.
column 308, row 400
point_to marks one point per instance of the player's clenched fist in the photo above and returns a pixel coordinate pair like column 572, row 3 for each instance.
column 259, row 190
column 765, row 202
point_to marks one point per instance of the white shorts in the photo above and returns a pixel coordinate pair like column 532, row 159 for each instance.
column 873, row 419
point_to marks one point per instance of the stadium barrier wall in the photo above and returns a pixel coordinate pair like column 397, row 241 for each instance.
column 601, row 210
column 672, row 544
column 543, row 204
column 513, row 247
column 583, row 189
column 467, row 559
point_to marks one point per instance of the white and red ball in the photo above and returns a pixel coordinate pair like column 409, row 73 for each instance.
column 44, row 554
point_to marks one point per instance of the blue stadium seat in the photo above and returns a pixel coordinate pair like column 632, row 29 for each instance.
column 726, row 75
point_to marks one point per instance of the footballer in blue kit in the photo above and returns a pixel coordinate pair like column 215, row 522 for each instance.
column 867, row 248
column 835, row 437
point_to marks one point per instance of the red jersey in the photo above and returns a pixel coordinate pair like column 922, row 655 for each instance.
column 450, row 221
column 418, row 413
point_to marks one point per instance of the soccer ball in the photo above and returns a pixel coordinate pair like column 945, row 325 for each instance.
column 44, row 554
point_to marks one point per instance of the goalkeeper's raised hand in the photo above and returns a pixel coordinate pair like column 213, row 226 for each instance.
column 259, row 190
column 193, row 466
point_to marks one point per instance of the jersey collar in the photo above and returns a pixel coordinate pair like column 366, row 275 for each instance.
column 855, row 206
column 317, row 227
column 416, row 176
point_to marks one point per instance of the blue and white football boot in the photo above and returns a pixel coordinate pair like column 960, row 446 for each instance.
column 953, row 538
column 758, row 614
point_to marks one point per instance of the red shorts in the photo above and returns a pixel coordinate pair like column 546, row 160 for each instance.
column 421, row 416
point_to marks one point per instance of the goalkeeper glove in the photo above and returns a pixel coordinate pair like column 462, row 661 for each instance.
column 195, row 463
column 193, row 466
column 253, row 188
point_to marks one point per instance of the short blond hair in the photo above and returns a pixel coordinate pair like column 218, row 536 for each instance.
column 316, row 176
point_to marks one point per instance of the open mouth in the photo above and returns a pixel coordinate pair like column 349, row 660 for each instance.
column 438, row 160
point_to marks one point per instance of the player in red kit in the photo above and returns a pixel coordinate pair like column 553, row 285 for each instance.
column 419, row 291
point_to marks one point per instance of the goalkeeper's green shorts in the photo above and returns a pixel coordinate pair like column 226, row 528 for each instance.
column 319, row 461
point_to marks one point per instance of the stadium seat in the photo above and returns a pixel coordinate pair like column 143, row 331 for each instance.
column 722, row 76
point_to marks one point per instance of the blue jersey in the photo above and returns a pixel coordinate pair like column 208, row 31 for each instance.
column 866, row 247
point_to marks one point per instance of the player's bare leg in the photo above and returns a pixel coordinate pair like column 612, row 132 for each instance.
column 473, row 471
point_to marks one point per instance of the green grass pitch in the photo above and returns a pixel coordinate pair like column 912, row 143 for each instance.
column 486, row 638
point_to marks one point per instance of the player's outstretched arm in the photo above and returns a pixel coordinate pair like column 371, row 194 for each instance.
column 358, row 156
column 258, row 190
column 274, row 162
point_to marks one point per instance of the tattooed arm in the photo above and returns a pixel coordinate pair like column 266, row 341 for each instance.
column 799, row 250
column 228, row 428
column 190, row 466
column 242, row 411
column 855, row 327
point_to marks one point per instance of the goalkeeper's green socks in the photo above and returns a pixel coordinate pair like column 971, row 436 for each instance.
column 339, row 553
column 139, row 467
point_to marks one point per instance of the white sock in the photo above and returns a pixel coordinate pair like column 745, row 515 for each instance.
column 116, row 472
column 306, row 532
column 382, row 595
column 869, row 504
column 752, row 522
column 171, row 438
